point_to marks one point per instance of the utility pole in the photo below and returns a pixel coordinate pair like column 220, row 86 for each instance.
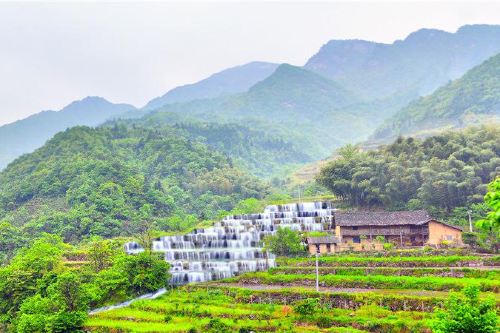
column 470, row 220
column 317, row 272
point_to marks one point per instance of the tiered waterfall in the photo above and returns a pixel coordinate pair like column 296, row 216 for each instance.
column 235, row 244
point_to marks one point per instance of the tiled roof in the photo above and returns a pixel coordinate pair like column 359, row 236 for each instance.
column 323, row 240
column 416, row 217
column 369, row 218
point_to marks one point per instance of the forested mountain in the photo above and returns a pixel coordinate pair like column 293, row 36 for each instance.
column 105, row 181
column 412, row 67
column 257, row 151
column 313, row 112
column 439, row 173
column 229, row 81
column 472, row 99
column 24, row 136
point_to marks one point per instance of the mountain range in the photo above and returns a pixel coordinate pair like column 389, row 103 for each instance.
column 342, row 94
column 229, row 81
column 24, row 136
column 415, row 66
column 306, row 108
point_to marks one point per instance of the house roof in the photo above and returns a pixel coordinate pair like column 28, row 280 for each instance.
column 381, row 218
column 384, row 218
column 323, row 240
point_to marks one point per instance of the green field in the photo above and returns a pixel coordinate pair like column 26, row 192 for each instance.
column 357, row 294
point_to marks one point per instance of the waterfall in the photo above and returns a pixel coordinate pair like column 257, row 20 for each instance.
column 234, row 244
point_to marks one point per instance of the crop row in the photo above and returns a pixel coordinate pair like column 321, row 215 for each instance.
column 424, row 261
column 370, row 281
column 458, row 272
column 180, row 311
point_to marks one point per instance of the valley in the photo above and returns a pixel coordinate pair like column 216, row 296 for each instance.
column 358, row 192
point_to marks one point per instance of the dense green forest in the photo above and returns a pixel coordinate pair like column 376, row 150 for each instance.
column 39, row 293
column 443, row 173
column 472, row 99
column 262, row 153
column 105, row 181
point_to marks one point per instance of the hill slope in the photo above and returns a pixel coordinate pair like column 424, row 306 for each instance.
column 24, row 136
column 416, row 66
column 105, row 181
column 472, row 99
column 229, row 81
column 439, row 173
column 262, row 154
column 313, row 112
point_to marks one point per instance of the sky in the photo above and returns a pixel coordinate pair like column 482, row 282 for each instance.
column 54, row 53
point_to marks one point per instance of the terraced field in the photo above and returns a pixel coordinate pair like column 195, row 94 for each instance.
column 357, row 294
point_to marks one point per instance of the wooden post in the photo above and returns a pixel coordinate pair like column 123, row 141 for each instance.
column 400, row 237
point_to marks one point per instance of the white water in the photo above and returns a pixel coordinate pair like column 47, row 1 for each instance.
column 234, row 245
column 127, row 303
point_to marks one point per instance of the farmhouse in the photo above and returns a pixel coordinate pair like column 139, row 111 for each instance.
column 364, row 230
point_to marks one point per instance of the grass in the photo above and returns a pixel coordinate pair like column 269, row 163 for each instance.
column 370, row 281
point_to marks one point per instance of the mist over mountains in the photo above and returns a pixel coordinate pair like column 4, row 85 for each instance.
column 344, row 92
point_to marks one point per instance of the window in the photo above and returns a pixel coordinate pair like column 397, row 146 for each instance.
column 449, row 237
column 354, row 228
column 356, row 239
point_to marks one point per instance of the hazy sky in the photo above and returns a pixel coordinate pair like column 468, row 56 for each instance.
column 54, row 53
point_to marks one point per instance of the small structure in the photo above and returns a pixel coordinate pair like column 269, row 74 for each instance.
column 323, row 244
column 405, row 228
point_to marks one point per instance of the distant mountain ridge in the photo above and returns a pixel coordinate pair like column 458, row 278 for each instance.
column 340, row 96
column 229, row 81
column 306, row 108
column 471, row 100
column 24, row 136
column 415, row 66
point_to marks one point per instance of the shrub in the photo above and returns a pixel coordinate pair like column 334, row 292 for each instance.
column 307, row 307
column 324, row 322
column 388, row 246
column 217, row 326
column 467, row 313
column 286, row 242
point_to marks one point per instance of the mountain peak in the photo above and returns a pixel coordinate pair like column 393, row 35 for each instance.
column 424, row 35
column 230, row 81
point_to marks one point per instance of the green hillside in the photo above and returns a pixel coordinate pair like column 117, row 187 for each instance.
column 26, row 135
column 261, row 153
column 104, row 181
column 470, row 100
column 313, row 112
column 439, row 173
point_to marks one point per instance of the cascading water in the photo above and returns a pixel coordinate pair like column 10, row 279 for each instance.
column 234, row 245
